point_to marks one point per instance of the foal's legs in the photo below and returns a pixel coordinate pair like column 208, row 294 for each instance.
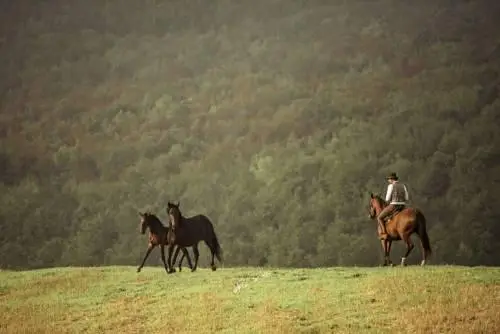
column 148, row 251
column 409, row 246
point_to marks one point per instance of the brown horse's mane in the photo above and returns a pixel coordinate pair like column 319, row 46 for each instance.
column 381, row 202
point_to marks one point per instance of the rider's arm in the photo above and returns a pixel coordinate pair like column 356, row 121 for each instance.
column 407, row 198
column 389, row 193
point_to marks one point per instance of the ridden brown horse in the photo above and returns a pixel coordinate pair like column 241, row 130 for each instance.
column 400, row 226
column 158, row 237
column 189, row 231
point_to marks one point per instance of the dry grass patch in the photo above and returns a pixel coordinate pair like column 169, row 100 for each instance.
column 202, row 312
column 23, row 286
column 124, row 315
column 33, row 318
column 423, row 306
column 270, row 318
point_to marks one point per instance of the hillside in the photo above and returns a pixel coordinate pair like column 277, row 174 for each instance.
column 437, row 299
column 274, row 118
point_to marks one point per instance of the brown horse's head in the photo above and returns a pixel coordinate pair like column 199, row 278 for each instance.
column 174, row 213
column 376, row 205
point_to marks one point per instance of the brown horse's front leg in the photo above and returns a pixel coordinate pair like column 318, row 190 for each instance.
column 389, row 246
column 170, row 268
column 162, row 247
column 148, row 251
column 386, row 246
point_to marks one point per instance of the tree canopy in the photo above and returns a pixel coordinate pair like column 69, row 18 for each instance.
column 274, row 118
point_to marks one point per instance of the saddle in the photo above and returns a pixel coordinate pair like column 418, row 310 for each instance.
column 396, row 210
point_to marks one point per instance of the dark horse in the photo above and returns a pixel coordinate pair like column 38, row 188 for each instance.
column 189, row 231
column 400, row 226
column 158, row 236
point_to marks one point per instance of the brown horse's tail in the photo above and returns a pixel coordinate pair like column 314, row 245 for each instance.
column 218, row 249
column 422, row 232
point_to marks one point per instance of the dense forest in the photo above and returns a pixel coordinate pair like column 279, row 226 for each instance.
column 274, row 118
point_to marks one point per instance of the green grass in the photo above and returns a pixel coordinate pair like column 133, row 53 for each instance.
column 434, row 299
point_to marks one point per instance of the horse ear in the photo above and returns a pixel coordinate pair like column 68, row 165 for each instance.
column 371, row 195
column 141, row 214
column 178, row 204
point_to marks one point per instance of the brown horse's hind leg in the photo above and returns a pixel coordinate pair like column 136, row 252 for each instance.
column 196, row 253
column 176, row 253
column 212, row 250
column 409, row 247
column 186, row 254
column 148, row 251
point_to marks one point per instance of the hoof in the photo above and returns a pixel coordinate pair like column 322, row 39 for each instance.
column 214, row 268
column 138, row 270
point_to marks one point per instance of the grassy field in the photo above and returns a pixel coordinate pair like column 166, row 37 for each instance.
column 434, row 299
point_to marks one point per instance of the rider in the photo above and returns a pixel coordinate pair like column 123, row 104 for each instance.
column 396, row 197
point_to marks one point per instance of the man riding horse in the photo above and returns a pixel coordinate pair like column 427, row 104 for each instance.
column 397, row 197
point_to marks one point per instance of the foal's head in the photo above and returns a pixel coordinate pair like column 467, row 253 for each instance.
column 144, row 221
column 149, row 220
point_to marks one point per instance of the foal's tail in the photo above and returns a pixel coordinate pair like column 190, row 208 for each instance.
column 422, row 232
